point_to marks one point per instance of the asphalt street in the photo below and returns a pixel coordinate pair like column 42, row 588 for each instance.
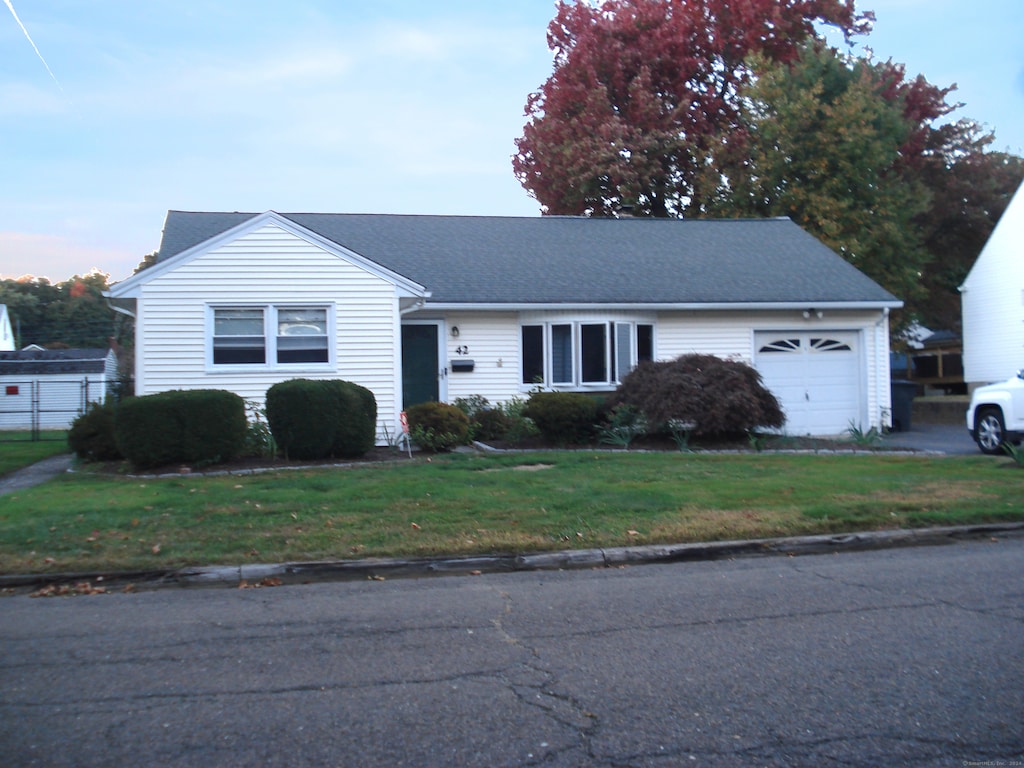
column 889, row 658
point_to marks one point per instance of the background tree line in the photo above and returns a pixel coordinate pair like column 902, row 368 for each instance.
column 72, row 313
column 723, row 108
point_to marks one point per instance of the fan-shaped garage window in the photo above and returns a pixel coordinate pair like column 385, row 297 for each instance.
column 829, row 345
column 781, row 345
column 814, row 345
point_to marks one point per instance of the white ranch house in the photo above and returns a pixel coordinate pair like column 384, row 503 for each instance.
column 440, row 307
column 992, row 302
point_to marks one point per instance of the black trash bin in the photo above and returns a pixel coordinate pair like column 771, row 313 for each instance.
column 902, row 393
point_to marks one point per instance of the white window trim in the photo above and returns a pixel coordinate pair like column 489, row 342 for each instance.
column 611, row 352
column 270, row 310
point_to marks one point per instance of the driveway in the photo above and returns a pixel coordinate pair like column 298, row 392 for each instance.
column 942, row 438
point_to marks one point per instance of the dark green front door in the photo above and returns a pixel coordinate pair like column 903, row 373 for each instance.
column 420, row 367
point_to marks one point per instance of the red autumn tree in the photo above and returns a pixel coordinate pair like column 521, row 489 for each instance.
column 643, row 89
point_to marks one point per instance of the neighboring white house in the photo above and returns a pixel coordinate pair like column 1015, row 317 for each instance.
column 992, row 300
column 6, row 332
column 422, row 308
column 49, row 388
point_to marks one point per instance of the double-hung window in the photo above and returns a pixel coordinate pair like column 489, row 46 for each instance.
column 583, row 354
column 302, row 335
column 271, row 336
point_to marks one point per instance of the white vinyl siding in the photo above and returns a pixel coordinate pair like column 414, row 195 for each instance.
column 268, row 267
column 992, row 298
column 491, row 341
column 494, row 341
column 732, row 335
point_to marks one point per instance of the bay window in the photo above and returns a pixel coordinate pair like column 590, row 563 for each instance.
column 583, row 353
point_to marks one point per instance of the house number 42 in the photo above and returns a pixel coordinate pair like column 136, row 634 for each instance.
column 462, row 350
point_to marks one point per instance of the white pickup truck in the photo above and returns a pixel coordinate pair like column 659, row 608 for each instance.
column 996, row 414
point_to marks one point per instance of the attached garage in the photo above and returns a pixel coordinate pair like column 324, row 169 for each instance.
column 817, row 377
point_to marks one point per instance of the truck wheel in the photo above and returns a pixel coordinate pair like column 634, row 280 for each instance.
column 989, row 431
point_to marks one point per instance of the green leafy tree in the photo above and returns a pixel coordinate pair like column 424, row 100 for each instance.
column 825, row 143
column 858, row 154
column 149, row 260
column 643, row 89
column 27, row 302
column 970, row 189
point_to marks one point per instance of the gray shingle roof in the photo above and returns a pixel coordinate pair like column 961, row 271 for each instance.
column 51, row 361
column 573, row 260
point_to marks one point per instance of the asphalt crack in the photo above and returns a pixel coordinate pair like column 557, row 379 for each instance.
column 534, row 684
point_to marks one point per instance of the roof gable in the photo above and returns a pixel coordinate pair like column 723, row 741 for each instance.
column 575, row 260
column 190, row 236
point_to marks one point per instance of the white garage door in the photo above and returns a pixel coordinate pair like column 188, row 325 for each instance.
column 816, row 377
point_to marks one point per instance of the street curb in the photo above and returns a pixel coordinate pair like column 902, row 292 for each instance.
column 380, row 568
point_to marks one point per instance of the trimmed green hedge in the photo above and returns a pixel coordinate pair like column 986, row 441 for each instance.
column 437, row 426
column 91, row 436
column 562, row 417
column 317, row 419
column 196, row 427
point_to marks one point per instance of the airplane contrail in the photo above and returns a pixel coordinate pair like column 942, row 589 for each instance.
column 32, row 43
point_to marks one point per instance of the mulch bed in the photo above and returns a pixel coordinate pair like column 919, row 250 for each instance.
column 379, row 454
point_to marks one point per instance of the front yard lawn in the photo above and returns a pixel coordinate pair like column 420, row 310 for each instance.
column 18, row 450
column 471, row 504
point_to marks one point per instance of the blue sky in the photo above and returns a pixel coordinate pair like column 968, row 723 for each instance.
column 330, row 105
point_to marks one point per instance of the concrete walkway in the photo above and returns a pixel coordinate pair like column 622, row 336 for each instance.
column 35, row 474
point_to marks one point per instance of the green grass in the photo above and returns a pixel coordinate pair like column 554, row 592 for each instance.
column 465, row 504
column 17, row 449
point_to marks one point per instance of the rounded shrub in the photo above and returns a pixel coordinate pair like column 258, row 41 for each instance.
column 356, row 430
column 490, row 424
column 437, row 426
column 562, row 417
column 318, row 419
column 199, row 426
column 91, row 436
column 709, row 395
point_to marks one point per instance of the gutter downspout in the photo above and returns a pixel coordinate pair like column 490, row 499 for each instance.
column 882, row 359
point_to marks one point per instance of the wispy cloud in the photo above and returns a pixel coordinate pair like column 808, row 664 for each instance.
column 32, row 43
